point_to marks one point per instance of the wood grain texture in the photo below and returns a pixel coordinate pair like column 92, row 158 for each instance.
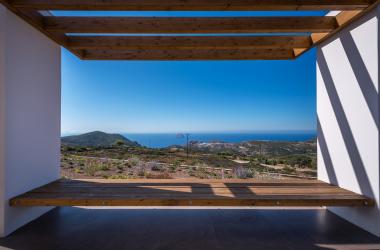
column 187, row 42
column 188, row 55
column 189, row 192
column 189, row 25
column 209, row 5
column 36, row 20
column 343, row 19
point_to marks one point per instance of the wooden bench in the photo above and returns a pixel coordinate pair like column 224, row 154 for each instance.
column 187, row 192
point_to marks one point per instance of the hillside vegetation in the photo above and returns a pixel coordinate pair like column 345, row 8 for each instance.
column 97, row 139
column 89, row 156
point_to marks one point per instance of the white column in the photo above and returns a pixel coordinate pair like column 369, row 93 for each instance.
column 348, row 116
column 30, row 68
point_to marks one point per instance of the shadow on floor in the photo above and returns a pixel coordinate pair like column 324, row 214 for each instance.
column 79, row 228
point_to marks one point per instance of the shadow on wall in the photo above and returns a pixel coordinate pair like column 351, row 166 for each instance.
column 326, row 155
column 371, row 97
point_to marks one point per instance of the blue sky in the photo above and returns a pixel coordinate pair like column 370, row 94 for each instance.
column 194, row 96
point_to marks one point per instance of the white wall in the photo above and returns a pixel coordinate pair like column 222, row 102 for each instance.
column 348, row 116
column 29, row 116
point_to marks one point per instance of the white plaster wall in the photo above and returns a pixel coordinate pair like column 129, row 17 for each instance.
column 30, row 83
column 348, row 116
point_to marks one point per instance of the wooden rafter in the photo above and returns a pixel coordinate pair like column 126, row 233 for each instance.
column 35, row 19
column 189, row 5
column 187, row 42
column 221, row 37
column 189, row 25
column 162, row 55
column 344, row 19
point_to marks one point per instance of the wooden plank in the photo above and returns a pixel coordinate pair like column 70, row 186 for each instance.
column 186, row 193
column 209, row 5
column 187, row 202
column 341, row 19
column 191, row 25
column 344, row 19
column 35, row 19
column 164, row 55
column 187, row 42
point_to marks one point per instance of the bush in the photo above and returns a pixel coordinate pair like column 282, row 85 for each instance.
column 134, row 161
column 156, row 167
column 119, row 143
column 164, row 175
column 240, row 172
column 104, row 167
column 172, row 168
column 288, row 170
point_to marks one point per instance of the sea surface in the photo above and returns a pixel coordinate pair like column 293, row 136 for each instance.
column 169, row 139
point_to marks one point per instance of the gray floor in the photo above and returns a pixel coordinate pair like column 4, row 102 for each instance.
column 78, row 228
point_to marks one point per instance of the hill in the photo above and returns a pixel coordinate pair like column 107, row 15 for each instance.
column 96, row 139
column 252, row 148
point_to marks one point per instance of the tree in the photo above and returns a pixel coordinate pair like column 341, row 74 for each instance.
column 119, row 143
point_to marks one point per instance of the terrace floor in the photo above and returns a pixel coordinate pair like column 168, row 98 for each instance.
column 158, row 228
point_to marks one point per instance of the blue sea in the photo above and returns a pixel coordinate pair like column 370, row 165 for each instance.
column 168, row 139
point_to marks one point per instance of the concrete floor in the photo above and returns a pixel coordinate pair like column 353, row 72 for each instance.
column 79, row 228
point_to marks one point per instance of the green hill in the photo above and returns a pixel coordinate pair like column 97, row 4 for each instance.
column 96, row 139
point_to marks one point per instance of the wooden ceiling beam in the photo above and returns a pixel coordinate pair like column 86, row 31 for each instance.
column 36, row 20
column 343, row 19
column 189, row 5
column 192, row 25
column 187, row 42
column 165, row 55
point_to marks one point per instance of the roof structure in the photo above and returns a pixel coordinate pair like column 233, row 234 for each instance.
column 189, row 38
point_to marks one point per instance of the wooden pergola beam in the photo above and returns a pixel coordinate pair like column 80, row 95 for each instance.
column 343, row 19
column 163, row 55
column 191, row 25
column 35, row 19
column 187, row 42
column 188, row 5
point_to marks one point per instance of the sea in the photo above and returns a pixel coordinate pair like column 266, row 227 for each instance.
column 163, row 140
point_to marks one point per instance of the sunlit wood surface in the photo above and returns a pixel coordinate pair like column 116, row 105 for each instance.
column 281, row 37
column 188, row 192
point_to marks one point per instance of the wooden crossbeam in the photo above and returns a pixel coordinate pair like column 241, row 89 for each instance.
column 162, row 55
column 186, row 42
column 343, row 19
column 200, row 25
column 206, row 5
column 35, row 19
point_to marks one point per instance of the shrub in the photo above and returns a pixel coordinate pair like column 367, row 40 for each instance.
column 240, row 172
column 104, row 167
column 288, row 170
column 163, row 175
column 134, row 161
column 172, row 168
column 156, row 167
column 119, row 143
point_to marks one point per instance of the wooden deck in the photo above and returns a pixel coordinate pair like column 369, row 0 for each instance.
column 177, row 192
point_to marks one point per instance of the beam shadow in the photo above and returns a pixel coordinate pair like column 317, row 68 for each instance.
column 326, row 154
column 362, row 75
column 194, row 193
column 345, row 129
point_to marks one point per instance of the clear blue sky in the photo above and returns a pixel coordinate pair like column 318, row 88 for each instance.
column 212, row 96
